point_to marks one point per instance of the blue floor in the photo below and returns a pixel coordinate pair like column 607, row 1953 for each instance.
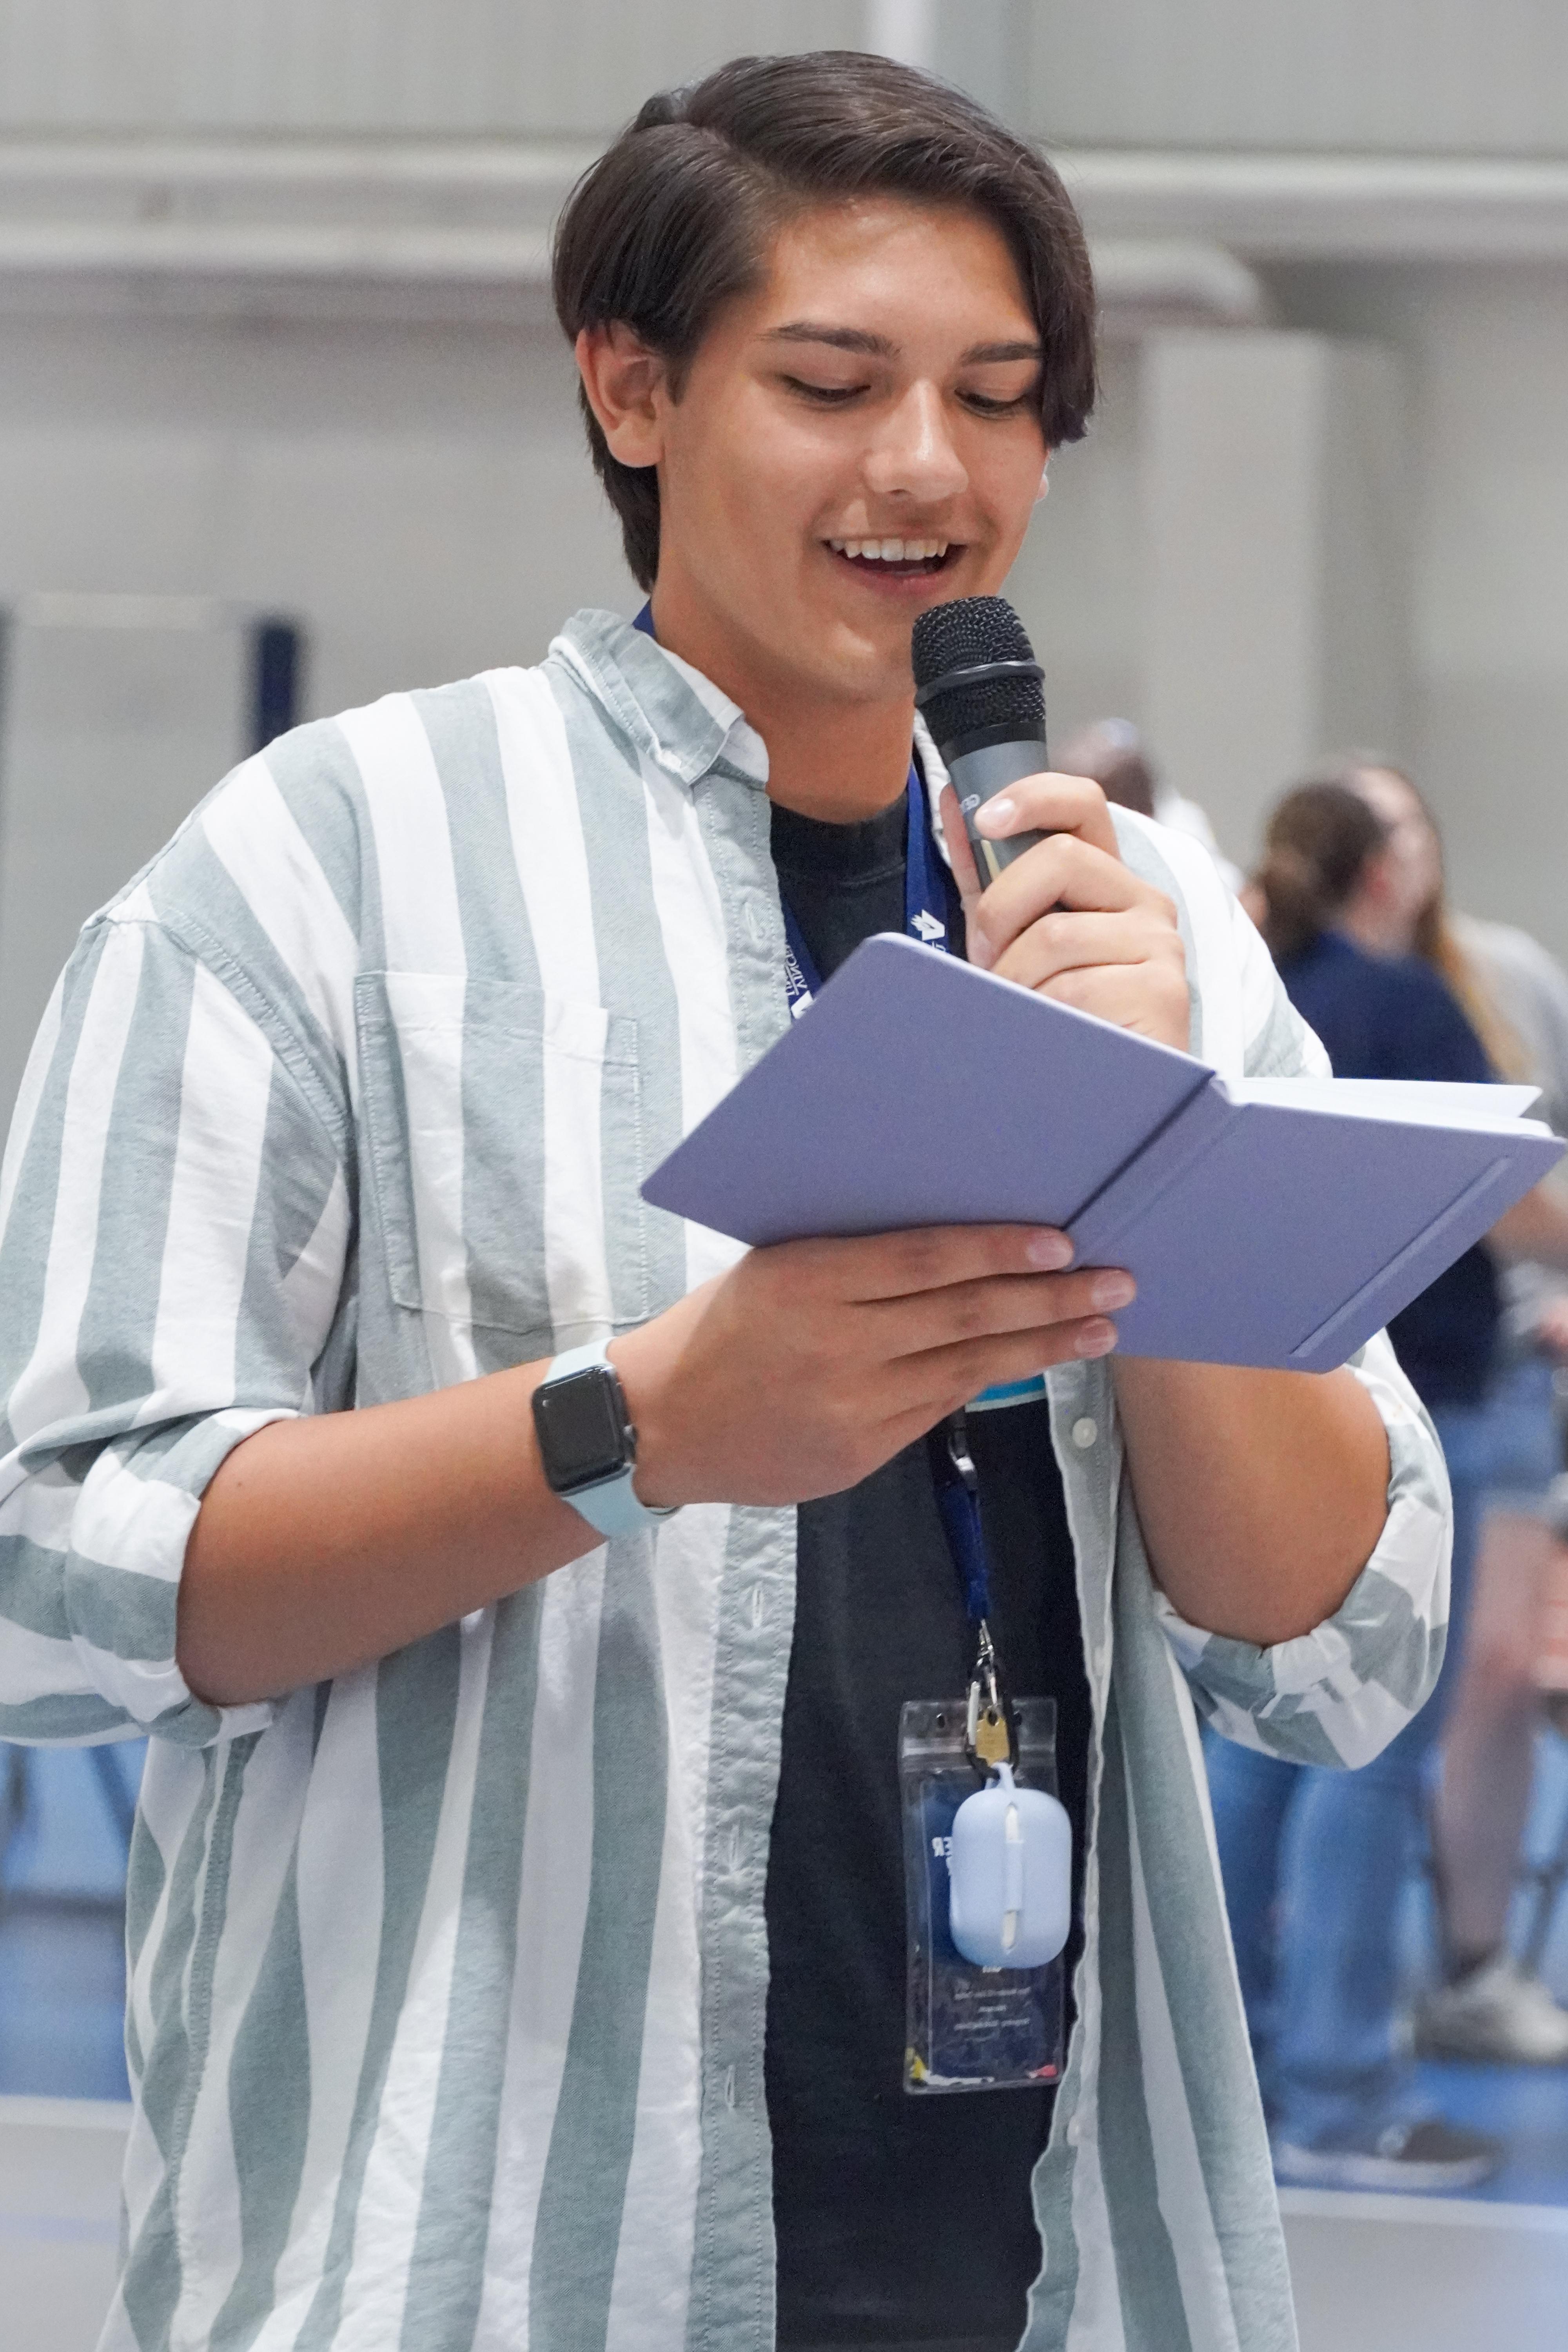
column 1527, row 2107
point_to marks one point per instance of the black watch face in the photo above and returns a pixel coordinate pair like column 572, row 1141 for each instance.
column 582, row 1428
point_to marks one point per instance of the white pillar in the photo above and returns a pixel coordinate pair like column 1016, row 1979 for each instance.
column 1275, row 626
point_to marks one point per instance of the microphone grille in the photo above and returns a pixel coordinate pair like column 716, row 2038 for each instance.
column 969, row 633
column 962, row 635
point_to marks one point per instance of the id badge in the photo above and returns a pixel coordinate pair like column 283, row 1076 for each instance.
column 969, row 2028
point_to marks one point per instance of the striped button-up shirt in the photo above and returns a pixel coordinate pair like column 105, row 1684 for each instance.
column 447, row 1977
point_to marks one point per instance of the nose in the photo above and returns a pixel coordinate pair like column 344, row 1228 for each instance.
column 913, row 456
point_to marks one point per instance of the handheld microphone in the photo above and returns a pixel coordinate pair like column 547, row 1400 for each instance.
column 981, row 691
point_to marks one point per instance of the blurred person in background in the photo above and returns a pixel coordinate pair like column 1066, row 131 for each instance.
column 1516, row 994
column 1315, row 1862
column 1113, row 754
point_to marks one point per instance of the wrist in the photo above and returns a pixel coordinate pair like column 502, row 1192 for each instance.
column 638, row 1359
column 587, row 1440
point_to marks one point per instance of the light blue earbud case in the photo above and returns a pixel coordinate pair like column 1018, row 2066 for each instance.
column 1010, row 1876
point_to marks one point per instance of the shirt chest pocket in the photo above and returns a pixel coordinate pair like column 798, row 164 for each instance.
column 504, row 1132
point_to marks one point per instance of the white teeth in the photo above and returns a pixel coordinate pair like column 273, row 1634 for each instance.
column 890, row 551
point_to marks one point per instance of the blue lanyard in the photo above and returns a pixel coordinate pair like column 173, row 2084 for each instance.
column 925, row 920
column 925, row 903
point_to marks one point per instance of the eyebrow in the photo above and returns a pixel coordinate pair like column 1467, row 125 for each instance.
column 861, row 340
column 842, row 339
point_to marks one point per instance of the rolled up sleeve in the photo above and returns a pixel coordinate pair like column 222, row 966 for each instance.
column 174, row 1222
column 1341, row 1693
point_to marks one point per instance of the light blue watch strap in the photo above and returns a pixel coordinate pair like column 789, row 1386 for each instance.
column 612, row 1506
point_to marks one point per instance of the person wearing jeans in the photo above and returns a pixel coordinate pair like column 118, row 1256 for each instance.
column 1315, row 1862
column 1491, row 2004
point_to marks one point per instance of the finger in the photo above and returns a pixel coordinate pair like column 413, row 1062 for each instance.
column 1148, row 999
column 947, row 1378
column 1066, row 940
column 996, row 1309
column 1061, row 871
column 1051, row 802
column 926, row 1257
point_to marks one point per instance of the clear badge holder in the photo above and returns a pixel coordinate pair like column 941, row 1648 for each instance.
column 969, row 2028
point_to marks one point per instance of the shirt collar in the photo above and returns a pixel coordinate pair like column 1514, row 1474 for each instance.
column 680, row 718
column 683, row 721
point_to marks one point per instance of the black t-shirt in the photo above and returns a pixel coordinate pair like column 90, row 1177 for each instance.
column 1392, row 1017
column 900, row 2220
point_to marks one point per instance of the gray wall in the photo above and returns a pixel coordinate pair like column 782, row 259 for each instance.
column 378, row 65
column 1420, row 76
column 1486, row 359
column 1458, row 76
column 417, row 494
column 416, row 491
column 1273, row 560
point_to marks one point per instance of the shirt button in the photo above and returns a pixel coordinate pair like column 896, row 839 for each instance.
column 754, row 922
column 1084, row 1434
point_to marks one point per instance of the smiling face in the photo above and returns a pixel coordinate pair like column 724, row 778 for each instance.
column 856, row 440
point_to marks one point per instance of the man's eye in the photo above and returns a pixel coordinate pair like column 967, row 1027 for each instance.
column 984, row 407
column 825, row 395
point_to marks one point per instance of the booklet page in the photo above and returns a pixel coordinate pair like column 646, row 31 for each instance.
column 1421, row 1102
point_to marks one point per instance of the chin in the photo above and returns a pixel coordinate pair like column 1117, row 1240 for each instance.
column 865, row 668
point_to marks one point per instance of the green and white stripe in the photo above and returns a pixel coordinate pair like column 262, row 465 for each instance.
column 447, row 1978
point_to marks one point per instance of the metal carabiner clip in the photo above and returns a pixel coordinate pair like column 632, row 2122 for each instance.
column 986, row 1735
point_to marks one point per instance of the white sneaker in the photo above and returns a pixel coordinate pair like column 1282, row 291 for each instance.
column 1497, row 2014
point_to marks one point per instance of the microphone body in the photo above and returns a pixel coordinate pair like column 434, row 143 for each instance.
column 979, row 776
column 981, row 692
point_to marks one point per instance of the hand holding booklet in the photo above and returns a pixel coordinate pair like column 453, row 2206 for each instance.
column 1276, row 1222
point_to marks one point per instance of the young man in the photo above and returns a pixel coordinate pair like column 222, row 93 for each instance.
column 515, row 1920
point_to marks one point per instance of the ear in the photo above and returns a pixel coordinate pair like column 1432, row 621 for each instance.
column 627, row 387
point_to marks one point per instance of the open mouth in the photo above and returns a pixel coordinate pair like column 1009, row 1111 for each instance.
column 896, row 558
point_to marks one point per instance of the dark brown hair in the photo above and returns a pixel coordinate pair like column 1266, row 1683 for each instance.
column 676, row 219
column 1318, row 842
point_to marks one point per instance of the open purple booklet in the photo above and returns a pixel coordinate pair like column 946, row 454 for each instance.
column 1273, row 1221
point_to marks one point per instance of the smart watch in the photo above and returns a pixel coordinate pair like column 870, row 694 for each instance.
column 587, row 1443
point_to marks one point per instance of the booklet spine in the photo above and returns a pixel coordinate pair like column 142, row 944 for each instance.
column 1161, row 1160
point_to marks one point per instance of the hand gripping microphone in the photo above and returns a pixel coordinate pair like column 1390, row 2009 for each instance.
column 981, row 691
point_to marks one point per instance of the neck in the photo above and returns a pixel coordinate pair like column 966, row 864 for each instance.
column 839, row 764
column 837, row 760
